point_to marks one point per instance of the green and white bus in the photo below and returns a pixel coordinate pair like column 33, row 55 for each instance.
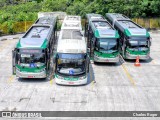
column 134, row 39
column 32, row 54
column 72, row 61
column 102, row 39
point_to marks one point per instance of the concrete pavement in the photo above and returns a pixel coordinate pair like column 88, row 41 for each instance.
column 118, row 87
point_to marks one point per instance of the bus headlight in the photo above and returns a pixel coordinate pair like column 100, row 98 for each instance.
column 81, row 78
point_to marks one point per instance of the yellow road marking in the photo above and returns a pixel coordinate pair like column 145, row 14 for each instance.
column 128, row 75
column 51, row 78
column 10, row 78
column 51, row 82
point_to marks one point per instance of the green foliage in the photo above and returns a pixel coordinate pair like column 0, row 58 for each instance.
column 54, row 5
column 20, row 10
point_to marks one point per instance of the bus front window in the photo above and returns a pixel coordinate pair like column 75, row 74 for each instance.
column 32, row 59
column 138, row 45
column 143, row 45
column 70, row 64
column 133, row 45
column 107, row 45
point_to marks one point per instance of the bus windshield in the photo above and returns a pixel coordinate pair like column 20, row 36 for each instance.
column 107, row 45
column 71, row 64
column 32, row 59
column 141, row 44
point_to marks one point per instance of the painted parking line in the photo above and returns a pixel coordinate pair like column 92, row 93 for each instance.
column 10, row 79
column 51, row 82
column 122, row 61
column 51, row 78
column 128, row 75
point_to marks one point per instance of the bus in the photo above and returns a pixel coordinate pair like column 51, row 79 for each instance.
column 71, row 59
column 134, row 39
column 32, row 54
column 102, row 39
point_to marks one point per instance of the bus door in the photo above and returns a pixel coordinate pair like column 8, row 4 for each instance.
column 14, row 62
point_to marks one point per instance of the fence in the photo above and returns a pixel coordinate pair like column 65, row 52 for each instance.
column 149, row 23
column 15, row 27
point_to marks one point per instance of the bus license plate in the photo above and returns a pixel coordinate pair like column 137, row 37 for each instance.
column 71, row 83
column 30, row 76
column 107, row 60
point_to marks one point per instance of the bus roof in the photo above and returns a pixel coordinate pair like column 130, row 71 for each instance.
column 126, row 25
column 72, row 22
column 71, row 46
column 101, row 27
column 38, row 34
column 117, row 16
column 71, row 39
column 93, row 16
column 46, row 21
column 72, row 18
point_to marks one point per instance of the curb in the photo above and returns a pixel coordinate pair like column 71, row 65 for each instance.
column 3, row 39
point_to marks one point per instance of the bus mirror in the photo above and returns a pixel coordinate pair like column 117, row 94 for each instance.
column 150, row 42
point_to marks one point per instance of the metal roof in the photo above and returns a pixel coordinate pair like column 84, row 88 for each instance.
column 46, row 21
column 72, row 34
column 72, row 22
column 100, row 26
column 71, row 46
column 39, row 33
column 70, row 39
column 72, row 18
column 117, row 16
column 125, row 24
column 93, row 16
column 121, row 21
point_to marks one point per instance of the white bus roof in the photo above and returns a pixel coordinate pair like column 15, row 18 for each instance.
column 72, row 18
column 72, row 22
column 70, row 38
column 71, row 41
column 71, row 46
column 69, row 25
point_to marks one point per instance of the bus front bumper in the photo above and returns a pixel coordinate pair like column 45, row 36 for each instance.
column 66, row 82
column 110, row 60
column 31, row 75
column 141, row 57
